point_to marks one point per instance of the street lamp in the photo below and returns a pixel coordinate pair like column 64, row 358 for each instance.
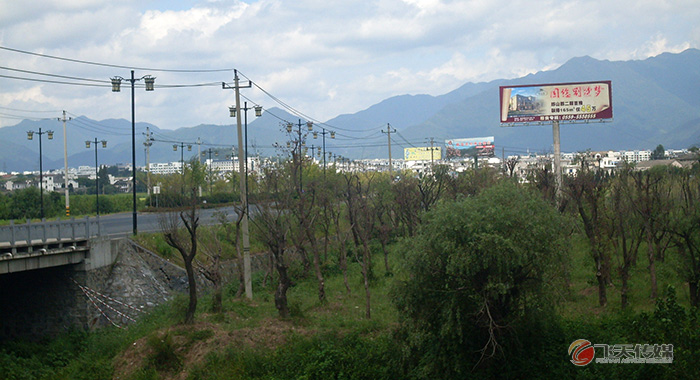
column 299, row 144
column 97, row 174
column 324, row 133
column 182, row 160
column 30, row 136
column 216, row 153
column 116, row 86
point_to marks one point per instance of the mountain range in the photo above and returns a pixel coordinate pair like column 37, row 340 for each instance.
column 655, row 101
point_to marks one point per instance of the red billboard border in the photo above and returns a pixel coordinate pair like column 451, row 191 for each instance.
column 601, row 116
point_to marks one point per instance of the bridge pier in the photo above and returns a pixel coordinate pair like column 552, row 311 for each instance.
column 113, row 282
column 43, row 295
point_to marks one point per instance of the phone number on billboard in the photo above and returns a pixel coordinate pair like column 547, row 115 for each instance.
column 568, row 117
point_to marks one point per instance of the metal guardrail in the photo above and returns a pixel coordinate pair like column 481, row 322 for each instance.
column 44, row 230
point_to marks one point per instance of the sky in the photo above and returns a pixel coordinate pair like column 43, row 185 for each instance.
column 321, row 57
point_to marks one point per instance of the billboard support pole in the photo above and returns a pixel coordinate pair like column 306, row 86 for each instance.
column 557, row 158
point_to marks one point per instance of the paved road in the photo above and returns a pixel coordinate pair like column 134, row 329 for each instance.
column 115, row 224
column 121, row 224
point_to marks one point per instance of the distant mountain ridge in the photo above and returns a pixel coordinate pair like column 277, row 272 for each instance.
column 654, row 102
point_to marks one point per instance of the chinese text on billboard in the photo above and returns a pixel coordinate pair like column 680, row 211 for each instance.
column 556, row 102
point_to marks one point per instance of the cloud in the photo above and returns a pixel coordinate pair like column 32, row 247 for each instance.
column 324, row 58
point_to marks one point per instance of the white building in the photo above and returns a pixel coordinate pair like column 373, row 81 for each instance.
column 166, row 168
column 636, row 155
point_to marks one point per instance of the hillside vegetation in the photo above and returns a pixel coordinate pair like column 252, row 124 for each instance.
column 436, row 276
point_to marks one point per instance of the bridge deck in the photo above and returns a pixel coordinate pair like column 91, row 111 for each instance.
column 37, row 254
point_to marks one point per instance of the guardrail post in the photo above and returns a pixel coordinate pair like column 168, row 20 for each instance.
column 43, row 225
column 29, row 233
column 12, row 233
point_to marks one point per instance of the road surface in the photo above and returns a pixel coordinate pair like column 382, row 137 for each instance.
column 121, row 224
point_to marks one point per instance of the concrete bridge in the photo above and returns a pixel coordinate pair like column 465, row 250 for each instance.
column 56, row 276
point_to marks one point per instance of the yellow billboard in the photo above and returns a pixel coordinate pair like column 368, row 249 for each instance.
column 422, row 153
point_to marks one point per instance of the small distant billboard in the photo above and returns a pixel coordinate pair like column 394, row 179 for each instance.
column 422, row 153
column 471, row 147
column 556, row 102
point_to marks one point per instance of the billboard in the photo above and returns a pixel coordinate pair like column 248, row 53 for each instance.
column 466, row 148
column 556, row 102
column 422, row 153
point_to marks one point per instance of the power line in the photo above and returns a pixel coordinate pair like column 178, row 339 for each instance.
column 113, row 65
column 53, row 81
column 34, row 111
column 53, row 75
column 297, row 112
column 104, row 83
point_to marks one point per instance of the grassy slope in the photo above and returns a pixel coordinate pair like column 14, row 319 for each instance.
column 158, row 347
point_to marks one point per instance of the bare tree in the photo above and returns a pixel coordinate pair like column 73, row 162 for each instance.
column 407, row 204
column 272, row 229
column 186, row 244
column 511, row 163
column 272, row 224
column 587, row 191
column 649, row 197
column 211, row 270
column 625, row 232
column 231, row 232
column 685, row 229
column 186, row 241
column 361, row 217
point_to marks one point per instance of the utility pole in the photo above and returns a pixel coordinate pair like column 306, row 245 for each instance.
column 244, row 221
column 148, row 144
column 199, row 159
column 388, row 136
column 65, row 160
column 432, row 160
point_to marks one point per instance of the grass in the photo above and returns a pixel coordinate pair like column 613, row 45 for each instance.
column 249, row 331
column 582, row 297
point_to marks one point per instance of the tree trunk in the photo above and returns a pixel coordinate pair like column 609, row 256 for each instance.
column 343, row 262
column 624, row 301
column 317, row 265
column 386, row 258
column 652, row 266
column 602, row 284
column 241, row 278
column 282, row 286
column 366, row 265
column 216, row 301
column 694, row 293
column 192, row 307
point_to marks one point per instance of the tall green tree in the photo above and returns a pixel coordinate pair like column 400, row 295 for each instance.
column 659, row 153
column 474, row 273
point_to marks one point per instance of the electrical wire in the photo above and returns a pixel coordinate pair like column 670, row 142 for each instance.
column 52, row 75
column 113, row 65
column 53, row 81
column 297, row 112
column 33, row 111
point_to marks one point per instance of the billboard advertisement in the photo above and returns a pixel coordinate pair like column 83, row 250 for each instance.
column 556, row 102
column 467, row 148
column 422, row 153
